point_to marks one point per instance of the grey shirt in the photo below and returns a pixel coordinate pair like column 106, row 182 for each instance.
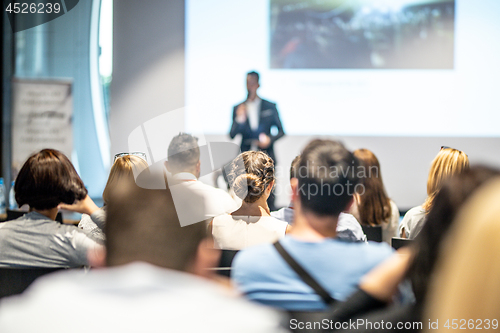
column 348, row 227
column 34, row 240
column 94, row 224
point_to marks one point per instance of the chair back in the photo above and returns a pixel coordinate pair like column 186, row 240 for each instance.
column 373, row 233
column 226, row 258
column 397, row 242
column 14, row 281
column 225, row 262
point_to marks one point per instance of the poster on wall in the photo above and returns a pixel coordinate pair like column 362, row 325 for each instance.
column 41, row 118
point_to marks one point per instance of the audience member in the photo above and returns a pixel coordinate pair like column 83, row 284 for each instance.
column 373, row 207
column 348, row 228
column 252, row 179
column 465, row 293
column 286, row 213
column 125, row 168
column 448, row 162
column 149, row 284
column 46, row 180
column 323, row 189
column 184, row 165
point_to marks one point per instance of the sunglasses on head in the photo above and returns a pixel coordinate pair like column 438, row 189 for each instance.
column 446, row 147
column 138, row 154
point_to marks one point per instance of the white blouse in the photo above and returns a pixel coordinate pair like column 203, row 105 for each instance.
column 238, row 232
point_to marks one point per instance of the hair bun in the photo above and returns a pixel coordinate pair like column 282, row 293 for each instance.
column 248, row 187
column 251, row 173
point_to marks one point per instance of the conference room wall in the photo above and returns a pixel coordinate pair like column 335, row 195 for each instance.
column 148, row 80
column 148, row 65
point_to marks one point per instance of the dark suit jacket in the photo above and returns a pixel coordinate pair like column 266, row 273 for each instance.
column 268, row 118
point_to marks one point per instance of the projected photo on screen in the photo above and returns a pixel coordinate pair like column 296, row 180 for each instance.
column 349, row 68
column 362, row 34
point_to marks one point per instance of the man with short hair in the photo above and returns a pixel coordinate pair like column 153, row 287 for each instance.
column 184, row 156
column 324, row 187
column 184, row 165
column 348, row 227
column 149, row 285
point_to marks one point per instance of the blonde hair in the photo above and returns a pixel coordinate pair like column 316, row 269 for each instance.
column 447, row 163
column 465, row 283
column 123, row 170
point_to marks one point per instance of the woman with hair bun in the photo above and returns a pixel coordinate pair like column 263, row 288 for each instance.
column 252, row 179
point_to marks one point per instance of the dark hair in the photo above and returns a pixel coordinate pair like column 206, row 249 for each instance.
column 294, row 166
column 375, row 205
column 446, row 204
column 183, row 151
column 251, row 173
column 47, row 179
column 254, row 74
column 327, row 177
column 142, row 225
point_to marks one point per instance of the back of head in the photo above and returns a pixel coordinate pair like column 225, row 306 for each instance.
column 449, row 200
column 47, row 179
column 125, row 169
column 447, row 163
column 465, row 282
column 368, row 159
column 250, row 175
column 183, row 152
column 327, row 177
column 374, row 207
column 142, row 225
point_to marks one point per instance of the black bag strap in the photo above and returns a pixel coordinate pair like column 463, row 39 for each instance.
column 306, row 277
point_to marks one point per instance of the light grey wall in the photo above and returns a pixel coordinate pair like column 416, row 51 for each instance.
column 148, row 64
column 148, row 80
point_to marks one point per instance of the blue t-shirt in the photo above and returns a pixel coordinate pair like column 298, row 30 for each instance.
column 263, row 275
